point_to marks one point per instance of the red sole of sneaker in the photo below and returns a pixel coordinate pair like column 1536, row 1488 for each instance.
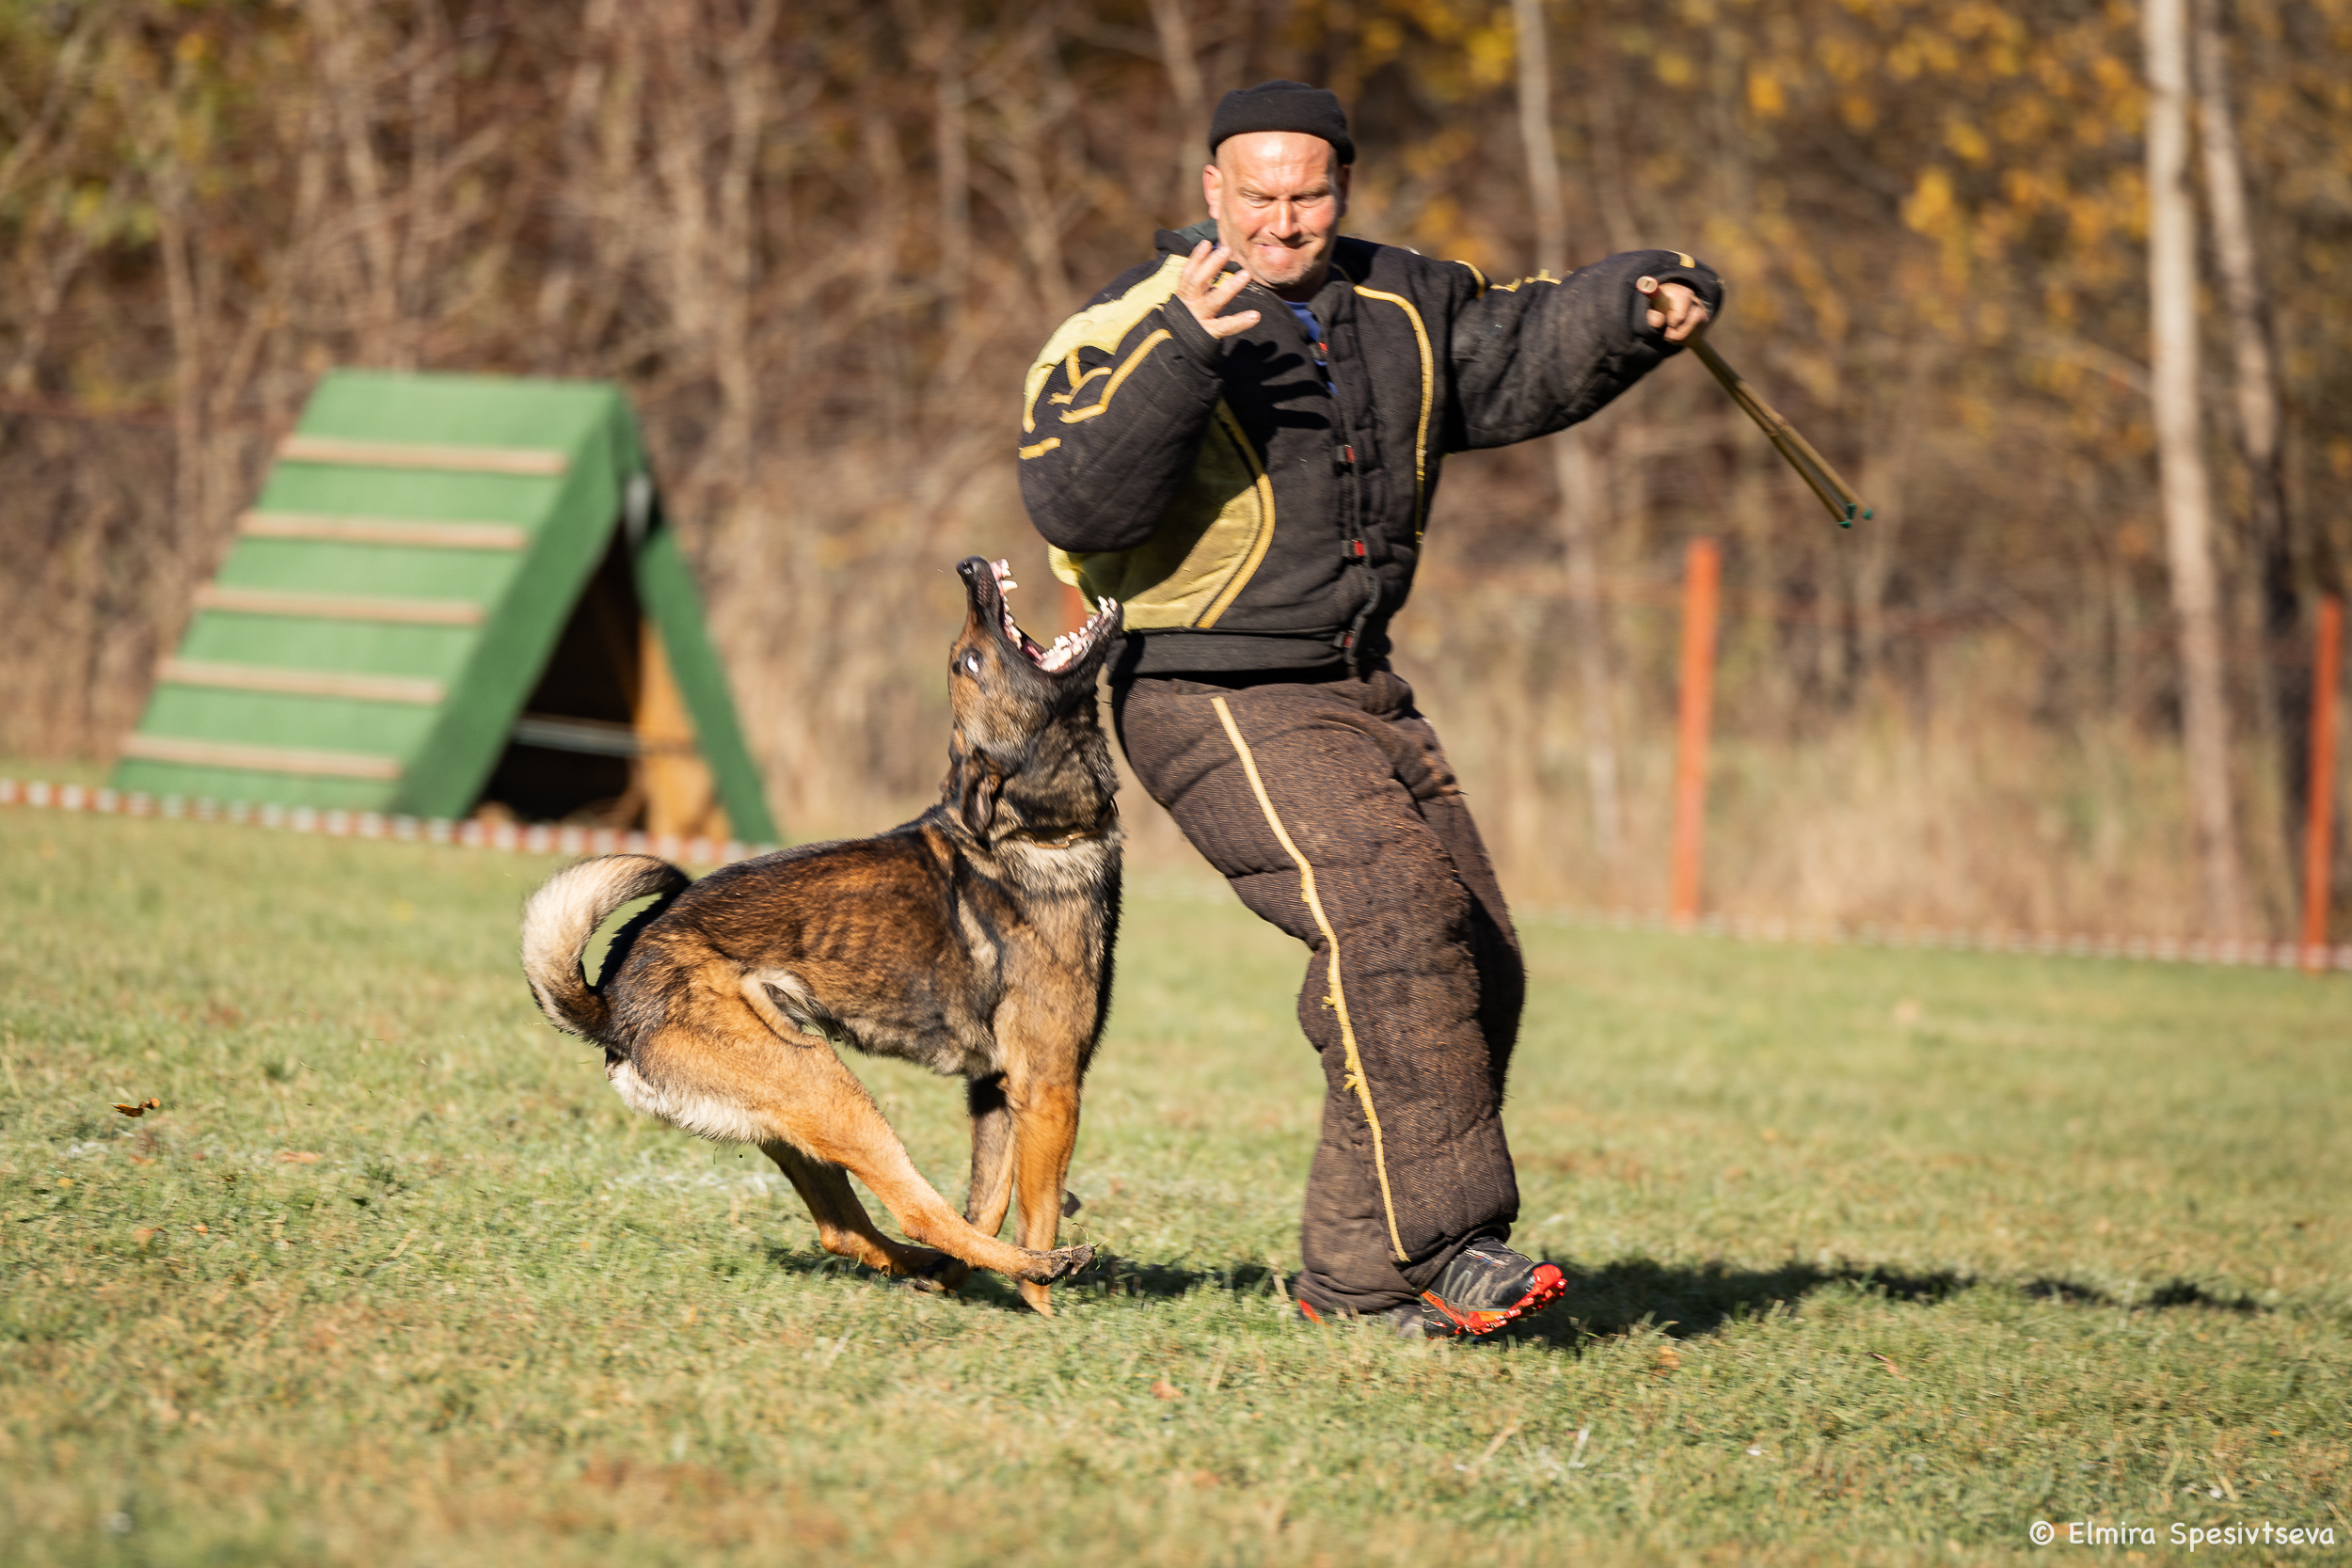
column 1549, row 1285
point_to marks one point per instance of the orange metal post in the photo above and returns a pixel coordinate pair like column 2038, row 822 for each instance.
column 2316, row 831
column 1702, row 572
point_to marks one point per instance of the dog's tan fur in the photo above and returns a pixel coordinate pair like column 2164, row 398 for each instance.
column 976, row 940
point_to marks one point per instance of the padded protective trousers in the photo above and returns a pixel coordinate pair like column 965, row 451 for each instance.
column 1330, row 807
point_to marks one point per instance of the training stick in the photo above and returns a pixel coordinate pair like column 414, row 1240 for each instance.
column 1844, row 505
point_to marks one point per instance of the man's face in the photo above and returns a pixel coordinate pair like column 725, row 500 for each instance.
column 1278, row 198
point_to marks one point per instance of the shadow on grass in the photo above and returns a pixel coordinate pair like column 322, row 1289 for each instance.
column 2175, row 1293
column 994, row 1289
column 1682, row 1300
column 1110, row 1274
column 1610, row 1299
column 1113, row 1274
column 1685, row 1301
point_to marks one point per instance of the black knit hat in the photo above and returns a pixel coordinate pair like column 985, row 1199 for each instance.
column 1282, row 106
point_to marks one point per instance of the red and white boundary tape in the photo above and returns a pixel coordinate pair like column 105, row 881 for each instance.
column 536, row 839
column 2047, row 944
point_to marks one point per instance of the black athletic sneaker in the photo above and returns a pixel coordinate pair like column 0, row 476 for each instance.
column 1486, row 1285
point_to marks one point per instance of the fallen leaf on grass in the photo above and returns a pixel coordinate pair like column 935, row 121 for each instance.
column 1888, row 1362
column 1163, row 1389
column 1479, row 1463
column 141, row 1108
column 202, row 1229
column 143, row 1235
column 1668, row 1358
column 296, row 1157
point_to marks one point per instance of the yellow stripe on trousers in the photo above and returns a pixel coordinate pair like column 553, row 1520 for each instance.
column 1355, row 1079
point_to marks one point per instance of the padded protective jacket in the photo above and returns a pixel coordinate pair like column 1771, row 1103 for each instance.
column 1248, row 514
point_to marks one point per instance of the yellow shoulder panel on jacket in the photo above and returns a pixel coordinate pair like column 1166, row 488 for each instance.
column 1103, row 326
column 1205, row 549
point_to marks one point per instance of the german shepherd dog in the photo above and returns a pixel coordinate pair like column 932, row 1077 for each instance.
column 974, row 940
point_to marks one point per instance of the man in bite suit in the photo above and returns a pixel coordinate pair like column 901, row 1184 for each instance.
column 1239, row 440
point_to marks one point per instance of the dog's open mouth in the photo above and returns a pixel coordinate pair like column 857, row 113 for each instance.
column 1070, row 646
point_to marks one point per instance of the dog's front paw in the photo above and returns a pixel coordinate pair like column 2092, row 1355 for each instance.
column 1060, row 1263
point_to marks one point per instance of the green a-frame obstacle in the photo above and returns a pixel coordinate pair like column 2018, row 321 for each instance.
column 454, row 589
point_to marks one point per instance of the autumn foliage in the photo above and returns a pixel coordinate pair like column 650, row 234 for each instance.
column 818, row 242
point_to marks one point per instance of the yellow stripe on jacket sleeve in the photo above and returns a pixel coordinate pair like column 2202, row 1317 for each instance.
column 1428, row 400
column 1110, row 388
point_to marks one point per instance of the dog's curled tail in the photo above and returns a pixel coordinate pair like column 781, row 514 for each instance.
column 561, row 917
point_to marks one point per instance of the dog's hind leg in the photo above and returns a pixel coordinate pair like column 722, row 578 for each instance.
column 845, row 1229
column 809, row 1100
column 991, row 1154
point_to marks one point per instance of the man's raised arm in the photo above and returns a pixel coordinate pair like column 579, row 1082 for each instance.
column 1117, row 399
column 1537, row 355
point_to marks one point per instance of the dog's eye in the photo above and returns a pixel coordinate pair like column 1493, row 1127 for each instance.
column 970, row 662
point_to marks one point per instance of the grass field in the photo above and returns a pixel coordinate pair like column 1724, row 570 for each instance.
column 1877, row 1258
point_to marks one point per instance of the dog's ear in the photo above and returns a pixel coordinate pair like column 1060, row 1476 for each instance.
column 983, row 782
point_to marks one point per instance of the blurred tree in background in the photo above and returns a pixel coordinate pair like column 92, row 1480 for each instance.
column 818, row 243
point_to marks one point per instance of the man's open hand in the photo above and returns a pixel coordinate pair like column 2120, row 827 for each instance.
column 1204, row 295
column 1674, row 307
